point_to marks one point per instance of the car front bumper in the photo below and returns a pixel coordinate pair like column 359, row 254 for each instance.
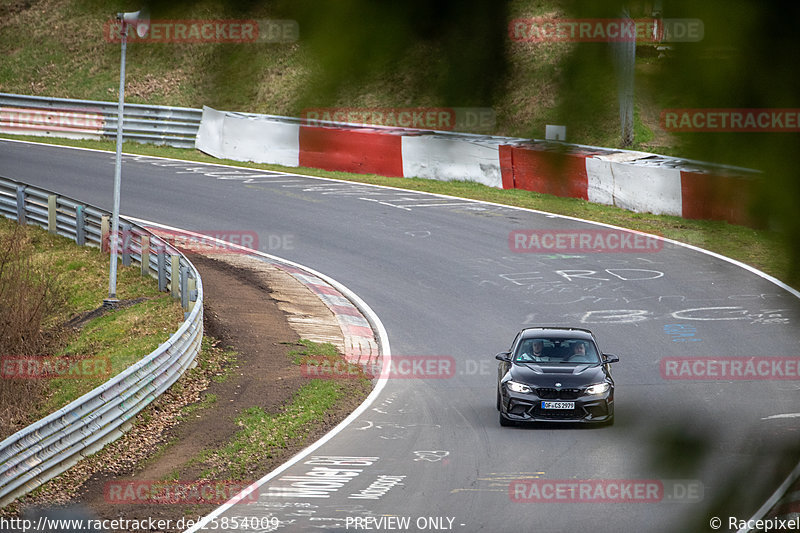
column 527, row 407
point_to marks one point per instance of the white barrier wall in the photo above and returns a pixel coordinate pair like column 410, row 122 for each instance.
column 209, row 136
column 248, row 138
column 636, row 181
column 441, row 158
column 638, row 188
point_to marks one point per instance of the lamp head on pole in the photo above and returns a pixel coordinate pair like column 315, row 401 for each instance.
column 138, row 19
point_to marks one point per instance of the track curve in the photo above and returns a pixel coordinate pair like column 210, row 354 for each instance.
column 439, row 273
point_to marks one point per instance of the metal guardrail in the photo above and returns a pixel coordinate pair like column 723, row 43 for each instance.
column 37, row 115
column 52, row 445
column 178, row 127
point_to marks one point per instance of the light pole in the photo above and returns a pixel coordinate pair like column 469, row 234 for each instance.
column 141, row 23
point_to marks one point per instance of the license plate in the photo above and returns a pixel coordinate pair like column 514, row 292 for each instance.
column 558, row 405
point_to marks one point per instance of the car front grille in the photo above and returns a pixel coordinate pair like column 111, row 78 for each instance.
column 571, row 414
column 558, row 394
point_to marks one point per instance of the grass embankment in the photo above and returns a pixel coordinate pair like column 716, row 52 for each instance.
column 69, row 282
column 762, row 249
column 264, row 435
column 63, row 50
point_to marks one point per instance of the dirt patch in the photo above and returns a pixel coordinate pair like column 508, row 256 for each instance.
column 80, row 320
column 242, row 314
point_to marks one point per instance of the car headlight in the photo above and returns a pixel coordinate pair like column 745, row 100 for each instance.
column 517, row 387
column 599, row 388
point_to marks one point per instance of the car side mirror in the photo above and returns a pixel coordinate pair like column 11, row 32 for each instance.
column 503, row 356
column 608, row 358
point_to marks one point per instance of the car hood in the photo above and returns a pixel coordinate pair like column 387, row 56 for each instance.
column 569, row 376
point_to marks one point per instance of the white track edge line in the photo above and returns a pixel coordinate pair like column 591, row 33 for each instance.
column 385, row 350
column 747, row 267
column 771, row 501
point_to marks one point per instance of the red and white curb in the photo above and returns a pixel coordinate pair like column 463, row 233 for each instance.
column 361, row 348
column 365, row 338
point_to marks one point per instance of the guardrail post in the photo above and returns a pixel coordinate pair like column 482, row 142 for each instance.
column 52, row 211
column 21, row 204
column 145, row 255
column 192, row 293
column 162, row 269
column 174, row 282
column 127, row 242
column 80, row 230
column 37, row 453
column 105, row 229
column 184, row 286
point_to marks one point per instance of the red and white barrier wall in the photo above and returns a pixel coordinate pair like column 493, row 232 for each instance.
column 635, row 181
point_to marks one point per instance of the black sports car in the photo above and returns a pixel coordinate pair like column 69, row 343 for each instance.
column 555, row 375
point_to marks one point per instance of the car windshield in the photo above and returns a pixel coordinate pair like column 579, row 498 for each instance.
column 556, row 350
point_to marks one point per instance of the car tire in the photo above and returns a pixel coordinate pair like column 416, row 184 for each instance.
column 505, row 422
column 499, row 400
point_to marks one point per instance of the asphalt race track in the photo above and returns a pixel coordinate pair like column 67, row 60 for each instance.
column 429, row 453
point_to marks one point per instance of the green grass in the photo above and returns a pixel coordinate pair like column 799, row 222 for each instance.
column 63, row 51
column 214, row 361
column 312, row 349
column 122, row 336
column 207, row 401
column 265, row 434
column 82, row 270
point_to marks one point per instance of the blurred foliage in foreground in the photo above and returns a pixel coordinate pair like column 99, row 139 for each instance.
column 452, row 53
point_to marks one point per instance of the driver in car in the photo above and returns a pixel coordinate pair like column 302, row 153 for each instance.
column 579, row 353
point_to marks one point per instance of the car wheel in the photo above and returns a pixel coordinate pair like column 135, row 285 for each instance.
column 499, row 400
column 505, row 422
